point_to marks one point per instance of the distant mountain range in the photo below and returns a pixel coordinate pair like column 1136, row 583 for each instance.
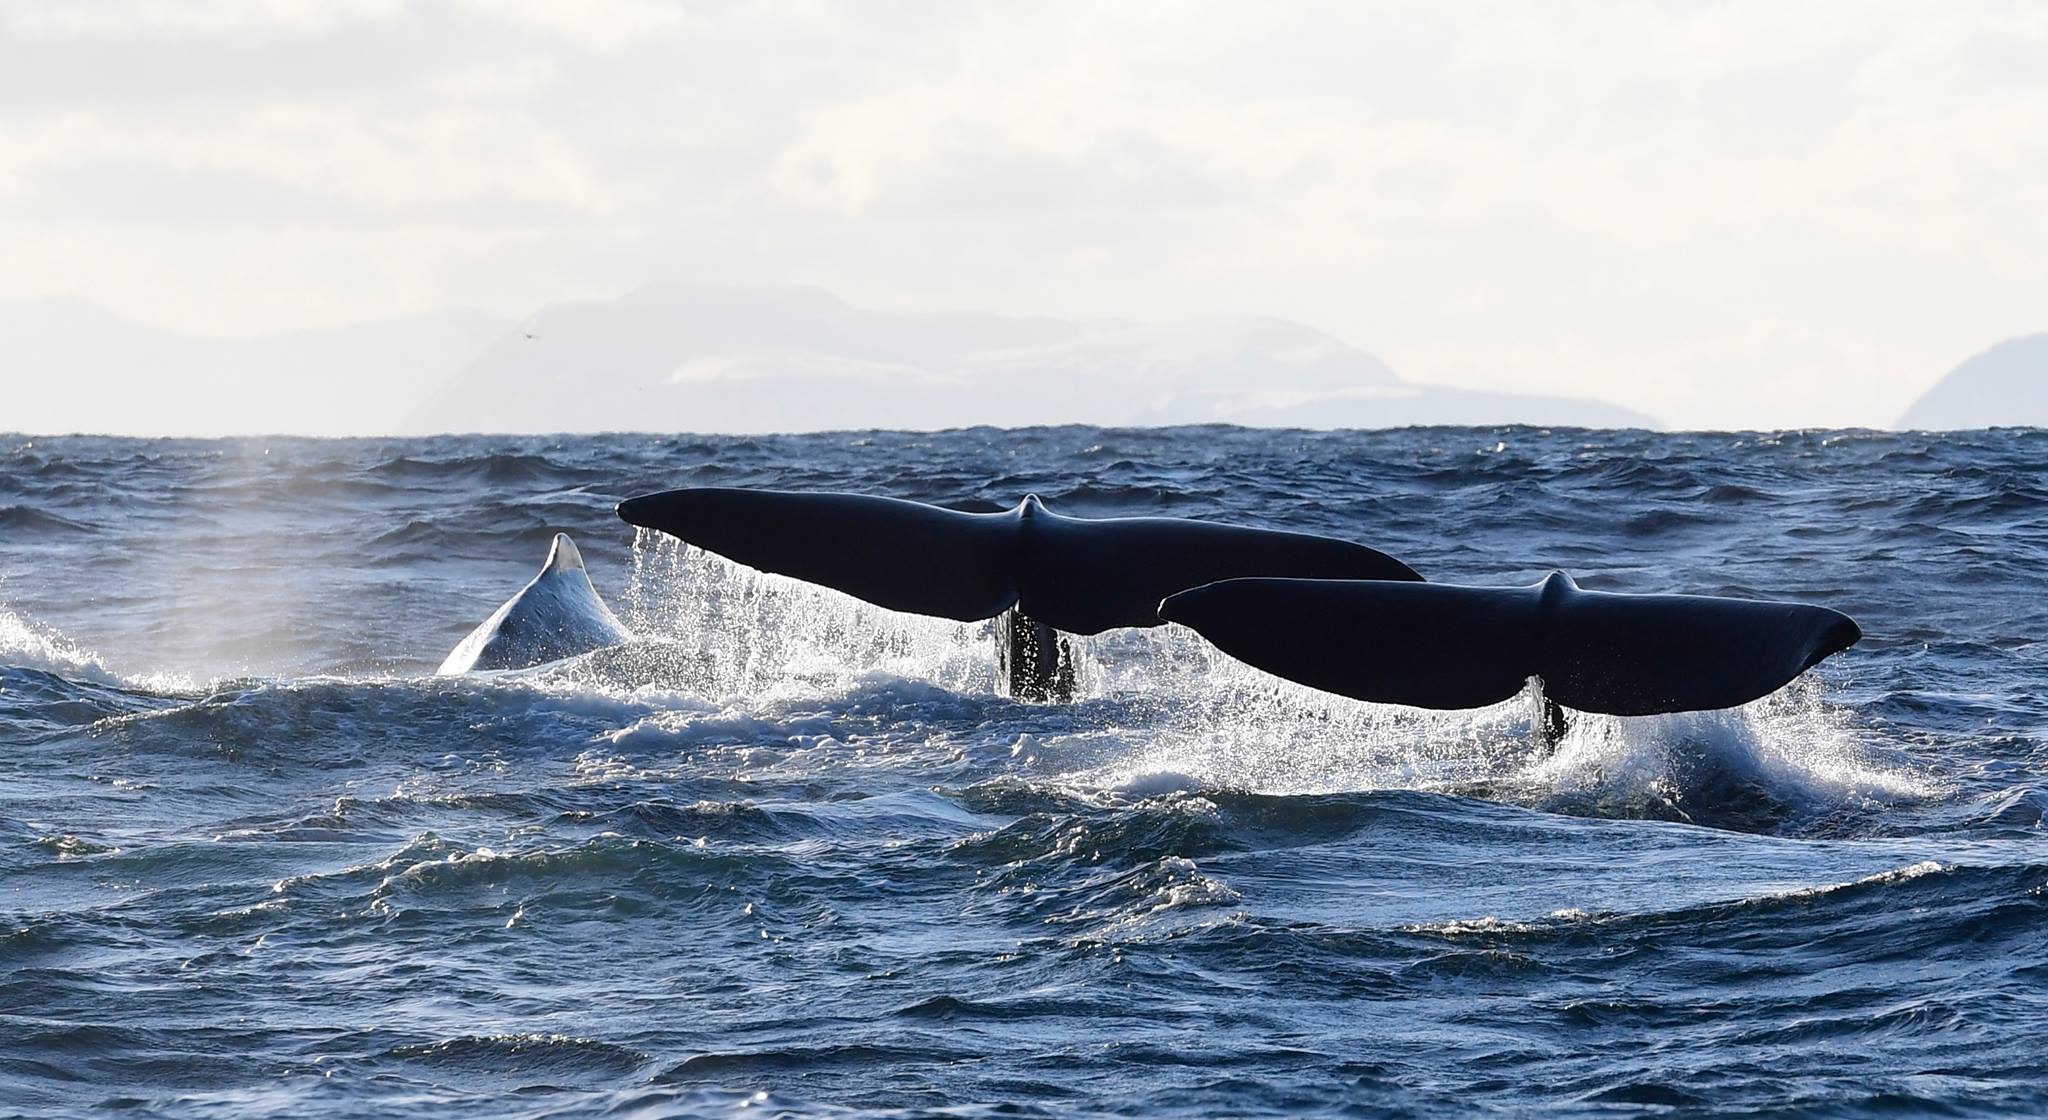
column 2005, row 386
column 730, row 359
column 715, row 359
column 70, row 366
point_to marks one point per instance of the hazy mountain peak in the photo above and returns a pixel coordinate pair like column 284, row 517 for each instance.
column 2005, row 386
column 808, row 298
column 77, row 366
column 711, row 358
column 681, row 357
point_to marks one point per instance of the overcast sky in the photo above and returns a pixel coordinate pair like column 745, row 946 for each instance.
column 1728, row 214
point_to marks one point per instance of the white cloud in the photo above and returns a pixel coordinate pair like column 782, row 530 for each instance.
column 1824, row 204
column 598, row 25
column 129, row 18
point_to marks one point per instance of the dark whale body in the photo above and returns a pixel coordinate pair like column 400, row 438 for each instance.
column 1443, row 646
column 1043, row 574
column 1327, row 613
column 1077, row 575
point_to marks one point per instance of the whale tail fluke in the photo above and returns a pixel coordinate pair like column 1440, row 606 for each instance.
column 1085, row 576
column 1442, row 646
column 1076, row 575
column 905, row 556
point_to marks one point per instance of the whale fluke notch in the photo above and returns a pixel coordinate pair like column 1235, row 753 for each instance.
column 557, row 614
column 1073, row 574
column 1444, row 646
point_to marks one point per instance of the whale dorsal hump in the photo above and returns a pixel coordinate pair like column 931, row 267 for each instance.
column 557, row 614
column 563, row 556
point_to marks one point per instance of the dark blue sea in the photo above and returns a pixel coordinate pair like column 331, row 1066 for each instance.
column 792, row 854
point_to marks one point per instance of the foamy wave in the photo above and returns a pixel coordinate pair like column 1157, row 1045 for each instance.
column 1569, row 917
column 1792, row 753
column 1150, row 899
column 747, row 633
column 1211, row 722
column 1789, row 751
column 31, row 645
column 1882, row 878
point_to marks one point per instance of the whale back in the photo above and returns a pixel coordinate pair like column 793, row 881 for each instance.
column 1442, row 646
column 557, row 614
column 1078, row 575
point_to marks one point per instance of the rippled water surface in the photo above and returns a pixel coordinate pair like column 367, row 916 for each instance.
column 788, row 852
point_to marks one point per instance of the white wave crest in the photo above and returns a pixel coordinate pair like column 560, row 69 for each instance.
column 1792, row 748
column 28, row 644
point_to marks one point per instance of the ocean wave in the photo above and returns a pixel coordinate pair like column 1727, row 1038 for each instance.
column 335, row 723
column 791, row 852
column 26, row 644
column 1890, row 914
column 497, row 468
column 522, row 1056
column 28, row 521
column 1789, row 761
column 607, row 877
column 1793, row 760
column 719, row 1066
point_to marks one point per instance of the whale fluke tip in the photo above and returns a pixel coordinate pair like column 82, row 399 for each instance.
column 1445, row 646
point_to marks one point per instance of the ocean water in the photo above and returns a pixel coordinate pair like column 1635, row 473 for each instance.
column 792, row 854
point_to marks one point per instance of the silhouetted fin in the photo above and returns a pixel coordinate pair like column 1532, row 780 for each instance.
column 1079, row 575
column 1440, row 646
column 906, row 556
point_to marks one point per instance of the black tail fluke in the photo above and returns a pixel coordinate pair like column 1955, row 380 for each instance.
column 906, row 556
column 1078, row 575
column 1441, row 646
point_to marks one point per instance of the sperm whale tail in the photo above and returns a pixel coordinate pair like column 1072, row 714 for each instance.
column 1045, row 575
column 1443, row 646
column 1076, row 575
